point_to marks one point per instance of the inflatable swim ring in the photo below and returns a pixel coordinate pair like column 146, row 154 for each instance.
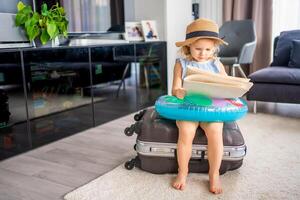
column 201, row 108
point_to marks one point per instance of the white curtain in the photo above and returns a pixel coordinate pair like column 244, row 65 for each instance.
column 211, row 9
column 88, row 15
column 286, row 16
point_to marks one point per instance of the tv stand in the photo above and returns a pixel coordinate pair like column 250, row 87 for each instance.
column 60, row 91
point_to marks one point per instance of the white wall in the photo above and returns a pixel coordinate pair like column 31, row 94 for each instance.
column 152, row 10
column 178, row 16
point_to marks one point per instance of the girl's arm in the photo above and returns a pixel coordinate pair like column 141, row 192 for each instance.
column 177, row 89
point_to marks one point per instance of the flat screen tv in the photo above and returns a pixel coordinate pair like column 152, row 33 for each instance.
column 94, row 16
column 10, row 35
column 10, row 6
column 85, row 16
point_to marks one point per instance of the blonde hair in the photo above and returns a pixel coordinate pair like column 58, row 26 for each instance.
column 185, row 51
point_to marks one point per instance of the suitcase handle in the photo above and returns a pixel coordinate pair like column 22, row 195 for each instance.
column 193, row 160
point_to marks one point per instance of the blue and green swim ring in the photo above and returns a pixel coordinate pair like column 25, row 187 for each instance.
column 195, row 107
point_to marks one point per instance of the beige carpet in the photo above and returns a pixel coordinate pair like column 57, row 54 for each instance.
column 271, row 170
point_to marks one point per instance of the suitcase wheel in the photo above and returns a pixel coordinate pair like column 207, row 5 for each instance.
column 128, row 131
column 130, row 164
column 138, row 117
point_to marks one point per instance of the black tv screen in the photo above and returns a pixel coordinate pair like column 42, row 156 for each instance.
column 50, row 3
column 98, row 16
column 85, row 16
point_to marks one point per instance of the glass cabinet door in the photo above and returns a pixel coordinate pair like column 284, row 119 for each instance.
column 14, row 137
column 50, row 93
column 152, row 72
column 58, row 83
column 114, row 81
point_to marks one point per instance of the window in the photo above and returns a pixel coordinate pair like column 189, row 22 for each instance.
column 286, row 16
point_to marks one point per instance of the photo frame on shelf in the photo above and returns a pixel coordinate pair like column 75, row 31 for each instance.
column 133, row 31
column 150, row 30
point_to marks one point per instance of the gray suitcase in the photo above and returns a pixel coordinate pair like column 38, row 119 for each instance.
column 157, row 140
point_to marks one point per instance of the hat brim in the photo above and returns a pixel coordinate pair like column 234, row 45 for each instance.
column 191, row 40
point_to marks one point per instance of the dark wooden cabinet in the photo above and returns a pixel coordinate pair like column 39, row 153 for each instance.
column 56, row 92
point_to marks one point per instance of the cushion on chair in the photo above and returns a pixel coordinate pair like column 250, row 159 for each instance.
column 295, row 54
column 283, row 48
column 282, row 75
column 229, row 60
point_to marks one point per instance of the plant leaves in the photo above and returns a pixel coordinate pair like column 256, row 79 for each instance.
column 33, row 20
column 23, row 15
column 36, row 17
column 44, row 36
column 27, row 10
column 20, row 6
column 52, row 29
column 20, row 19
column 32, row 32
column 41, row 23
column 47, row 25
column 65, row 33
column 44, row 9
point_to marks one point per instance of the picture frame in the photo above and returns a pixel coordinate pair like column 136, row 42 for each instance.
column 133, row 31
column 150, row 30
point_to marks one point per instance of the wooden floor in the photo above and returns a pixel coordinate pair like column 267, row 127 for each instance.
column 53, row 170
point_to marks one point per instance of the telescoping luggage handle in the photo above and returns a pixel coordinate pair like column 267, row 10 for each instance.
column 173, row 150
column 200, row 154
column 198, row 151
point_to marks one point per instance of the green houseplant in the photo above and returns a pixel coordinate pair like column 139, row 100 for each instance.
column 45, row 26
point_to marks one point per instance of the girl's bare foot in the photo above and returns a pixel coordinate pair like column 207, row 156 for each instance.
column 180, row 181
column 215, row 184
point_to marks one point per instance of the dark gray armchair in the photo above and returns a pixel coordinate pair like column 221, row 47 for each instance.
column 241, row 36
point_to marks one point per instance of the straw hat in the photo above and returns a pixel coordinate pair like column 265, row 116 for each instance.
column 201, row 28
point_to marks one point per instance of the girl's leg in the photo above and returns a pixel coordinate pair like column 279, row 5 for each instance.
column 187, row 132
column 214, row 136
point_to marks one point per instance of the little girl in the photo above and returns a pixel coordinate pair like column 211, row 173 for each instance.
column 199, row 50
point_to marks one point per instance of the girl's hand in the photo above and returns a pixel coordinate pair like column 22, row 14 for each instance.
column 180, row 93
